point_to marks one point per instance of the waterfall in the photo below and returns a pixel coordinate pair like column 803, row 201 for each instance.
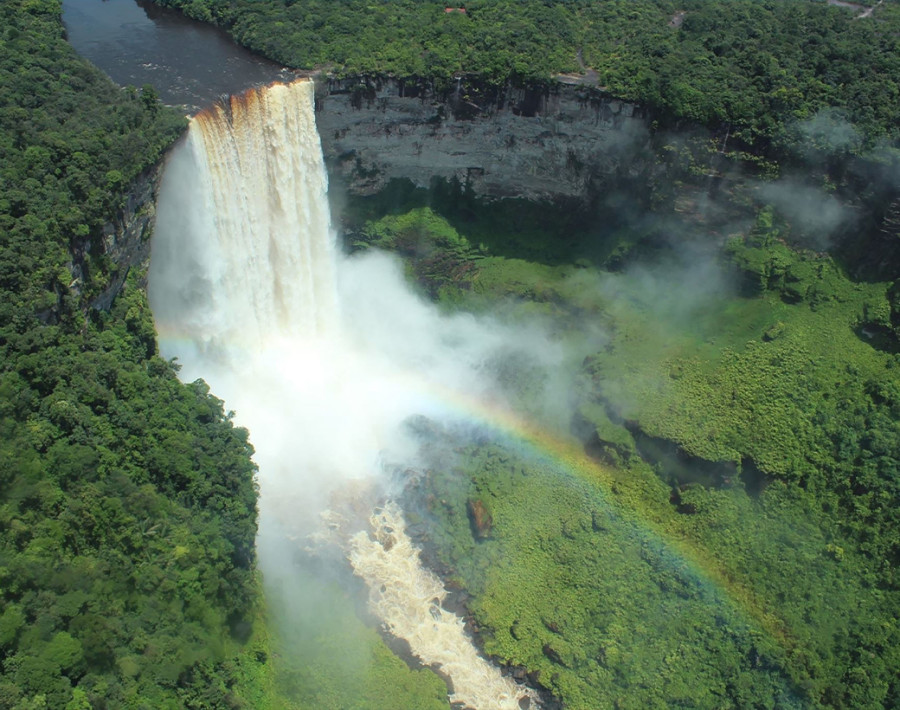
column 256, row 259
column 322, row 357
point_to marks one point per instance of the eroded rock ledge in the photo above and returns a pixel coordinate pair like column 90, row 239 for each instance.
column 126, row 238
column 541, row 144
column 555, row 141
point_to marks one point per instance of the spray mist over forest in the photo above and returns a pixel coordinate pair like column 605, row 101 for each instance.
column 323, row 357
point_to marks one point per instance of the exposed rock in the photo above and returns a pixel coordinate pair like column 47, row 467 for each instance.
column 677, row 19
column 541, row 144
column 480, row 518
column 126, row 239
column 534, row 679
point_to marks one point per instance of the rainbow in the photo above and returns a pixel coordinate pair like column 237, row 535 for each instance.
column 567, row 455
column 652, row 521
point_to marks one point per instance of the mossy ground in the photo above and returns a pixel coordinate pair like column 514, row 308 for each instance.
column 610, row 574
column 574, row 587
column 758, row 360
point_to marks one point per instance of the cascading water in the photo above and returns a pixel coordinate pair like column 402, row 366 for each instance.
column 322, row 357
column 408, row 599
column 255, row 259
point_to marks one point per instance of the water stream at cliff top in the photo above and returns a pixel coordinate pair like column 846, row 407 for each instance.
column 322, row 357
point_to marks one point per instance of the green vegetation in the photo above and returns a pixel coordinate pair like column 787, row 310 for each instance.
column 741, row 552
column 803, row 407
column 127, row 500
column 752, row 68
column 576, row 590
column 327, row 657
column 756, row 432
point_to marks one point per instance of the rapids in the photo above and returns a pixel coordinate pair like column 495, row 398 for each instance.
column 408, row 597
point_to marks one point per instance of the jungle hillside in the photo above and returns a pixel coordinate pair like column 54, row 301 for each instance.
column 127, row 499
column 738, row 399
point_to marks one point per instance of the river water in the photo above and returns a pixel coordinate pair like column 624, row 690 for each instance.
column 189, row 63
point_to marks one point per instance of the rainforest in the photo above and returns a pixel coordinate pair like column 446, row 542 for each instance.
column 509, row 354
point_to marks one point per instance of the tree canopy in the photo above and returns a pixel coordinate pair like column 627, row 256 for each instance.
column 127, row 499
column 754, row 66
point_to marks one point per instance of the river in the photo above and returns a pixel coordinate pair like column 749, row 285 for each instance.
column 249, row 292
column 189, row 63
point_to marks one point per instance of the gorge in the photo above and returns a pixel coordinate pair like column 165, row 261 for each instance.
column 338, row 371
column 244, row 285
column 631, row 380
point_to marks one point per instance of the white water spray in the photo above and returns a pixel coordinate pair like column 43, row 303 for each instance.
column 322, row 358
column 255, row 260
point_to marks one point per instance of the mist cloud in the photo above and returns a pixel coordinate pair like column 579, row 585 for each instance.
column 815, row 215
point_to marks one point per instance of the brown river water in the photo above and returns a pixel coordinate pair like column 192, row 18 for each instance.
column 189, row 63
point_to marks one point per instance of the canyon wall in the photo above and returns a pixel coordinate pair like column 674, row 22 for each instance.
column 126, row 238
column 549, row 143
column 561, row 141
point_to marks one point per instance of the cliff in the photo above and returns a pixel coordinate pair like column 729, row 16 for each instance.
column 126, row 238
column 540, row 143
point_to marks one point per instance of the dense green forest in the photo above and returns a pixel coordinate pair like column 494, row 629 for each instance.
column 725, row 537
column 749, row 67
column 127, row 499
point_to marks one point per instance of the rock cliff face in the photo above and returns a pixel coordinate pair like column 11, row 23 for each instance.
column 126, row 239
column 555, row 142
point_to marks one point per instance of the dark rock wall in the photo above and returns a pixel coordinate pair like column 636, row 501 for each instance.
column 126, row 239
column 538, row 144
